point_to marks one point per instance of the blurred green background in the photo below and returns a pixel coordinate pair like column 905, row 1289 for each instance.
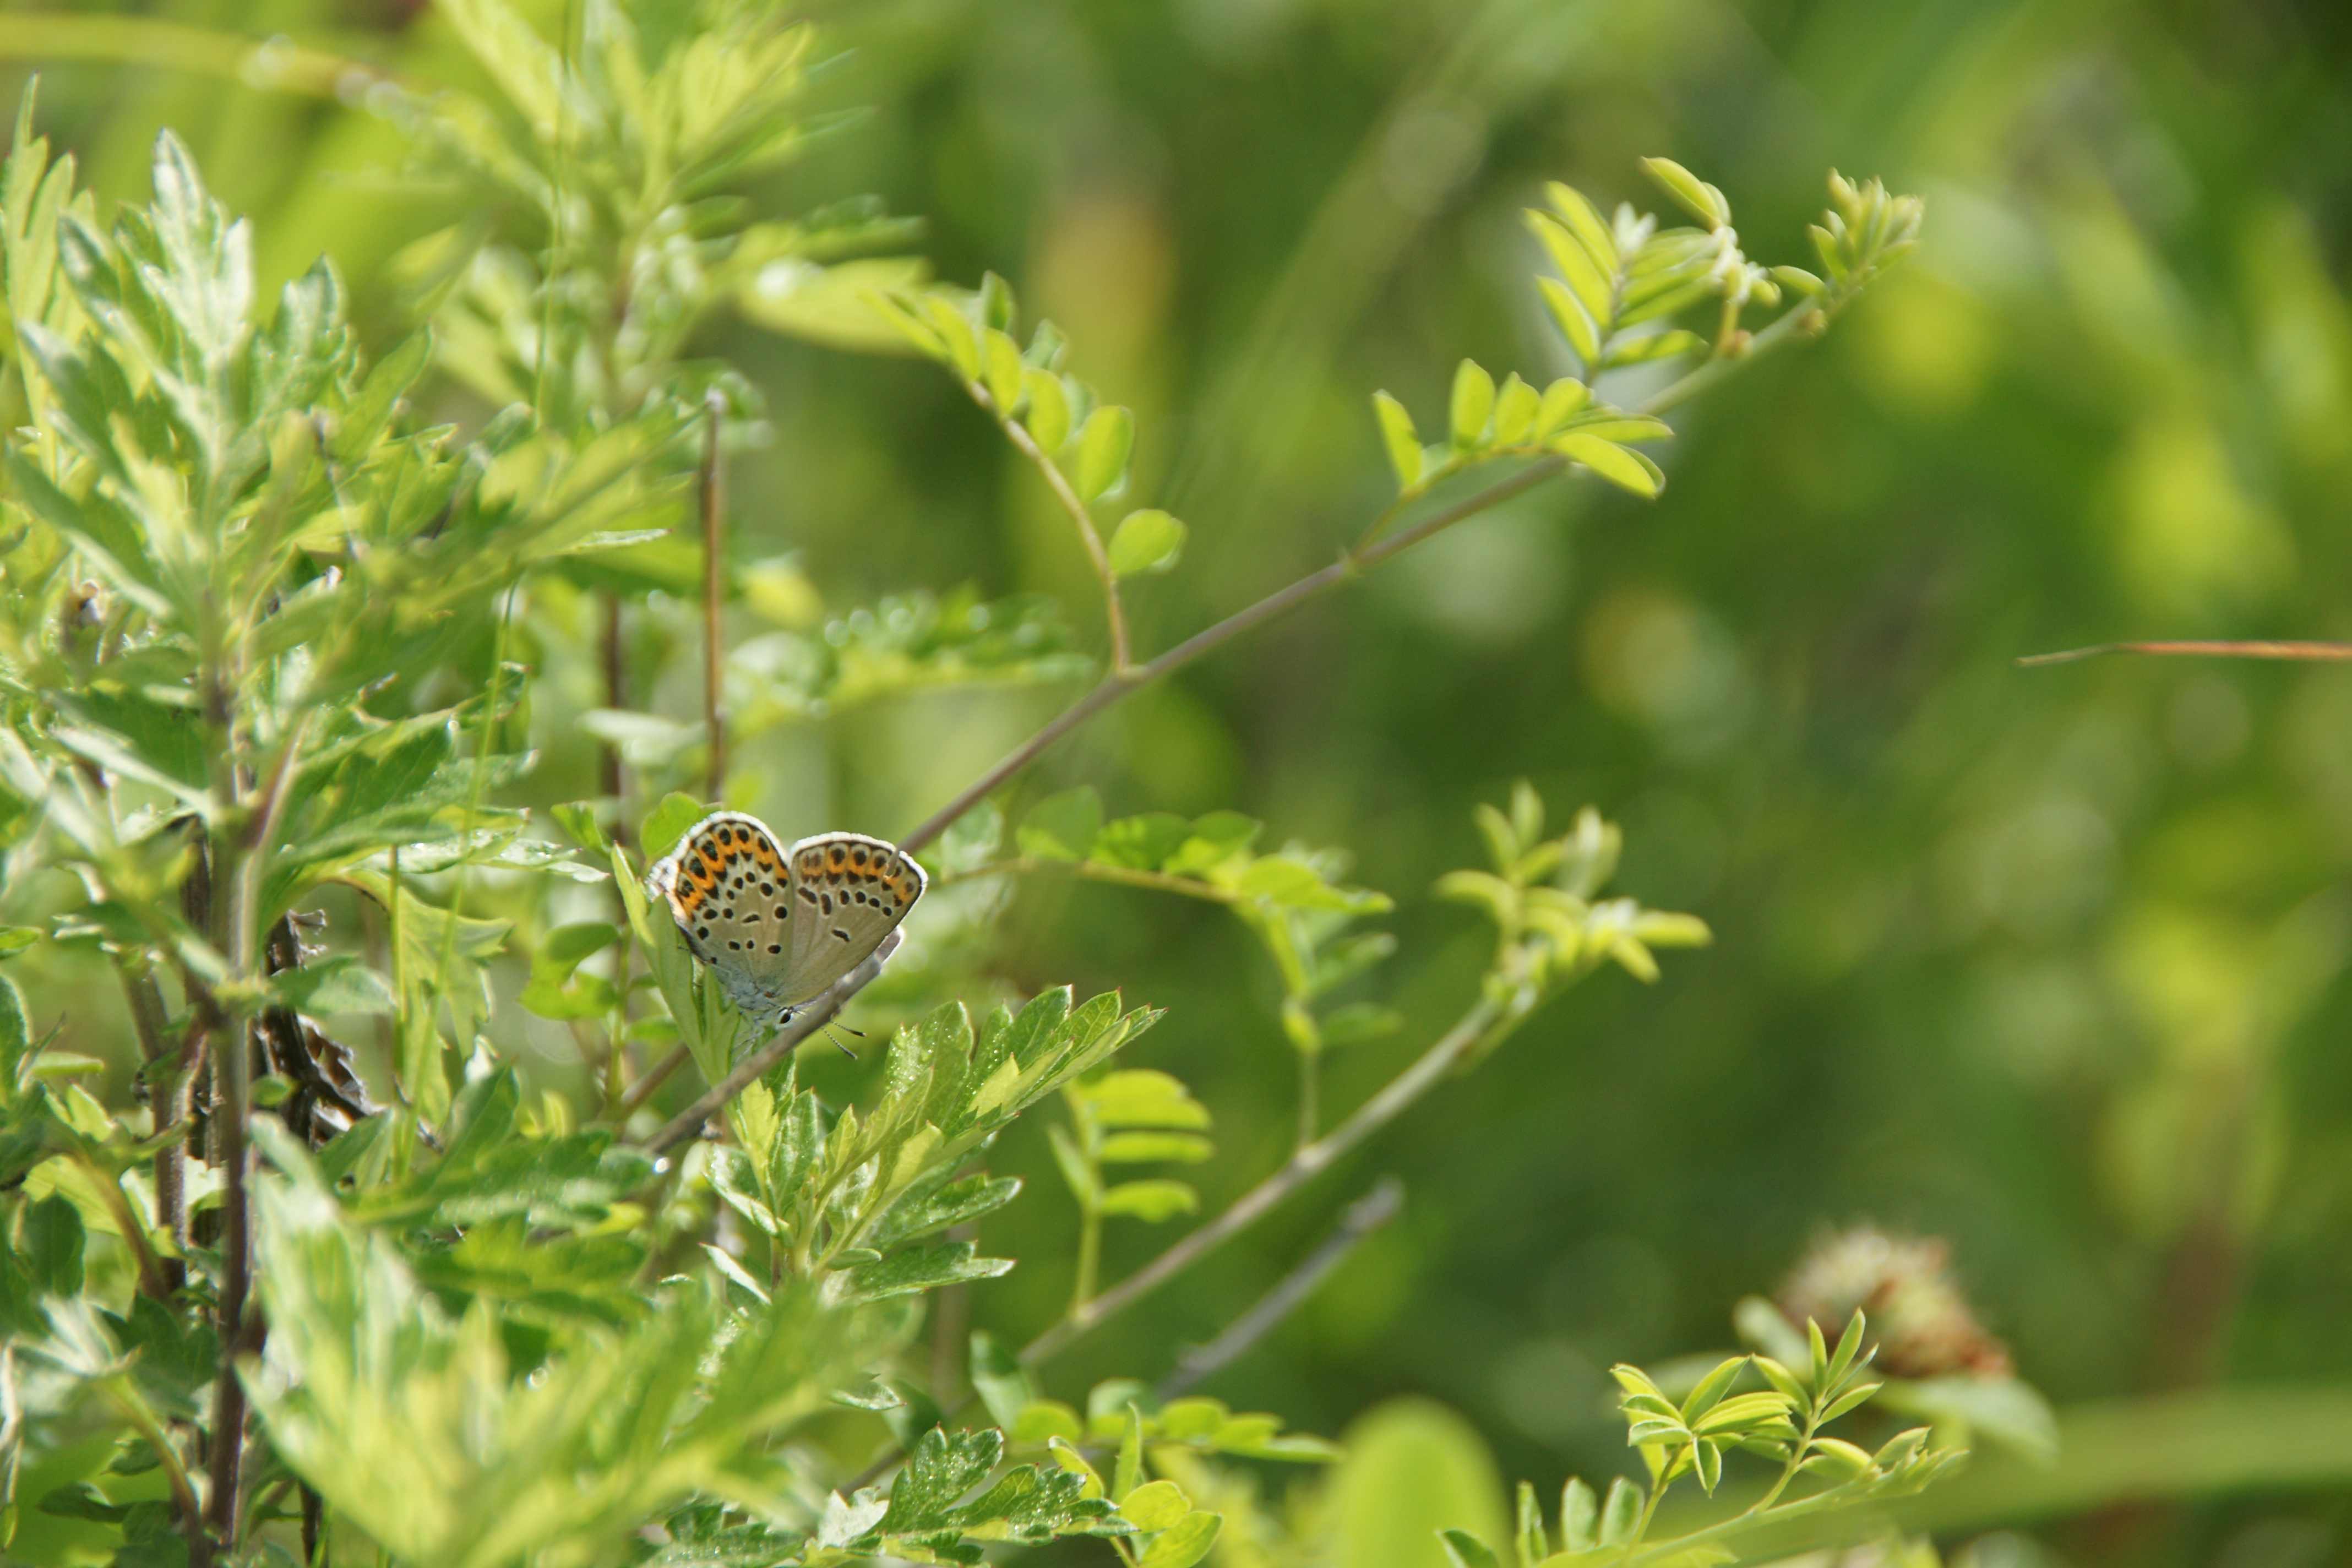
column 2047, row 962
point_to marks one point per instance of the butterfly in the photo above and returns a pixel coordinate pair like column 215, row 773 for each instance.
column 778, row 926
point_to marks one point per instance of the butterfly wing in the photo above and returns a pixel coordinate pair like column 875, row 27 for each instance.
column 849, row 892
column 729, row 889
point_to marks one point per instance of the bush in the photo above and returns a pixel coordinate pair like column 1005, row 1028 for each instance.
column 272, row 646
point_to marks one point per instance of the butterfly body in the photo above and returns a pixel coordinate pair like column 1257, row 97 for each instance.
column 778, row 927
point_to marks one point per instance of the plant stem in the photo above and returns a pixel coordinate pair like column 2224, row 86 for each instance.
column 714, row 721
column 1649, row 1509
column 1095, row 872
column 613, row 654
column 1122, row 679
column 1310, row 1095
column 169, row 1105
column 808, row 1020
column 277, row 64
column 240, row 856
column 1450, row 1049
column 1114, row 611
column 1082, row 1287
column 1365, row 1216
column 151, row 1282
column 1796, row 1456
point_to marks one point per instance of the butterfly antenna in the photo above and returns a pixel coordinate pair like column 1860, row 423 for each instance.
column 837, row 1045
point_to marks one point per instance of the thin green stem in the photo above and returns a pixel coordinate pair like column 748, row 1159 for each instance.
column 1457, row 1045
column 1649, row 1509
column 276, row 65
column 478, row 786
column 1740, row 1524
column 711, row 504
column 1310, row 1093
column 1082, row 1286
column 1796, row 1458
column 1114, row 611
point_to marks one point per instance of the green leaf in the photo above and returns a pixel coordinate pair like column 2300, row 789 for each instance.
column 1155, row 1506
column 578, row 820
column 1652, row 347
column 1043, row 1419
column 1621, row 466
column 1104, row 443
column 1127, row 1472
column 53, row 1245
column 667, row 823
column 1152, row 1201
column 1620, row 1513
column 1838, row 1457
column 923, row 1268
column 1002, row 1383
column 338, row 983
column 1515, row 409
column 1574, row 325
column 1085, row 1184
column 1397, row 435
column 1528, row 1540
column 1623, row 427
column 1410, row 1467
column 1580, row 1516
column 1849, row 1345
column 1062, row 827
column 1049, row 418
column 1137, row 1148
column 1562, row 401
column 1185, row 1542
column 1006, row 375
column 1585, row 222
column 16, row 1038
column 1712, row 1387
column 1146, row 540
column 1143, row 1097
column 1703, row 201
column 1473, row 405
column 1708, row 1460
column 1464, row 1550
column 1147, row 842
column 942, row 1468
column 1591, row 279
column 954, row 333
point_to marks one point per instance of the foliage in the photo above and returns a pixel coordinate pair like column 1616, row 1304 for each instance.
column 272, row 661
